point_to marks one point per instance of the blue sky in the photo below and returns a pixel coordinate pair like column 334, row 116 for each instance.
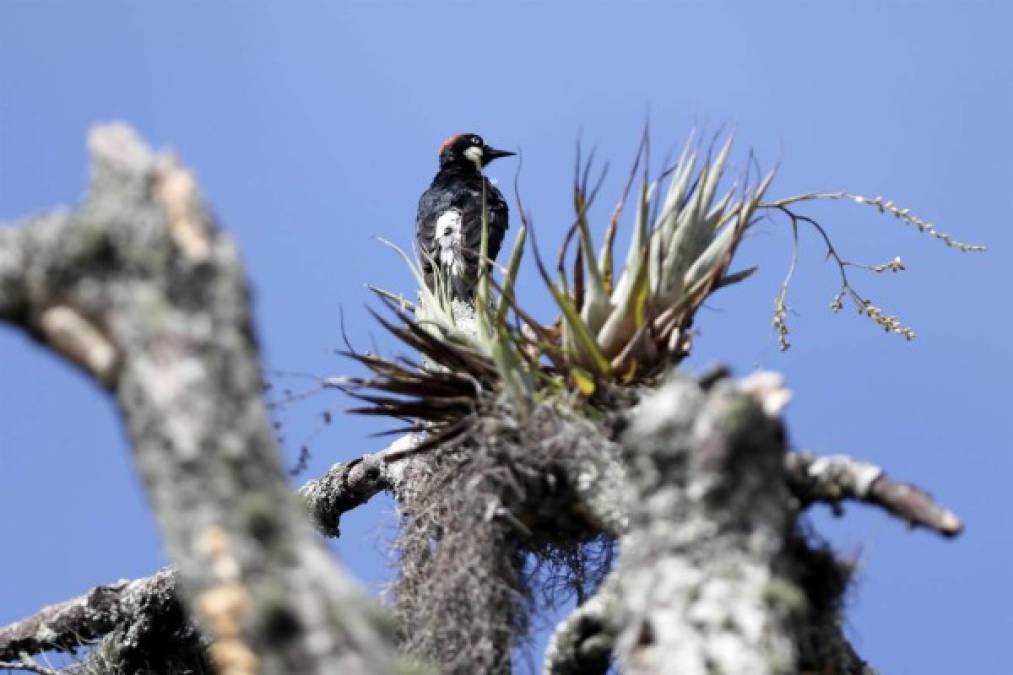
column 313, row 128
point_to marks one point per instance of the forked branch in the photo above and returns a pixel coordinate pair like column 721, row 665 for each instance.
column 142, row 290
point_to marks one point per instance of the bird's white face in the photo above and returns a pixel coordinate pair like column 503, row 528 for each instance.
column 474, row 153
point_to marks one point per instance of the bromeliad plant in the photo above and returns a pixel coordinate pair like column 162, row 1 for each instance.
column 620, row 326
column 627, row 327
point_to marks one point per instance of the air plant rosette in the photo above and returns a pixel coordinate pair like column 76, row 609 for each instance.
column 616, row 327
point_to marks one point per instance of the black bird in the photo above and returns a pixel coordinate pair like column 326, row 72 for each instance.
column 448, row 228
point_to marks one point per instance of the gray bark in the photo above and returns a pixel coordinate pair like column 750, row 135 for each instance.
column 835, row 478
column 139, row 621
column 350, row 484
column 140, row 288
column 698, row 574
column 713, row 574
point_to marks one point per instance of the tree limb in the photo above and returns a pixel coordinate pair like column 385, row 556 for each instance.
column 713, row 574
column 349, row 485
column 136, row 623
column 582, row 643
column 72, row 623
column 68, row 625
column 141, row 290
column 838, row 477
column 707, row 470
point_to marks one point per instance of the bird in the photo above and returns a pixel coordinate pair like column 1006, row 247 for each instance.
column 448, row 226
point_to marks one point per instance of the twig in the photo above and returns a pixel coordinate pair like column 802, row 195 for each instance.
column 884, row 206
column 890, row 323
column 780, row 306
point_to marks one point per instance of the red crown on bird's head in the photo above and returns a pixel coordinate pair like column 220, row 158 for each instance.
column 447, row 143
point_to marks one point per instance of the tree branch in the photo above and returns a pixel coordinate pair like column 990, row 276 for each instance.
column 68, row 625
column 140, row 289
column 710, row 487
column 713, row 574
column 349, row 485
column 582, row 643
column 72, row 623
column 838, row 477
column 136, row 623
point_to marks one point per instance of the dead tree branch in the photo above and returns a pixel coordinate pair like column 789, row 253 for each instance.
column 707, row 469
column 67, row 625
column 835, row 478
column 351, row 484
column 141, row 290
column 132, row 606
column 135, row 623
column 713, row 575
column 583, row 642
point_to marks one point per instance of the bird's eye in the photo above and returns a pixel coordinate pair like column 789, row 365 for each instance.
column 476, row 140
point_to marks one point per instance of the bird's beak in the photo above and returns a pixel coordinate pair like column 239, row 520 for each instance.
column 489, row 153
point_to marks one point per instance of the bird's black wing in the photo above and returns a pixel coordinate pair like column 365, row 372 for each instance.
column 464, row 194
column 472, row 220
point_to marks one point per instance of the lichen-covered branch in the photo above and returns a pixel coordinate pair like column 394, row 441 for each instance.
column 121, row 612
column 583, row 642
column 713, row 574
column 135, row 623
column 351, row 484
column 698, row 571
column 834, row 478
column 72, row 623
column 141, row 289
